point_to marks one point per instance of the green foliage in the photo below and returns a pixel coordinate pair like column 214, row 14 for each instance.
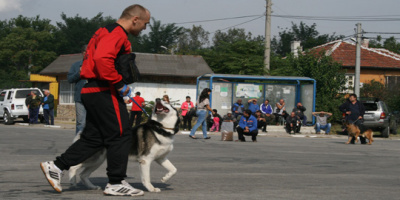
column 390, row 44
column 160, row 35
column 25, row 47
column 375, row 89
column 192, row 40
column 74, row 32
column 235, row 53
column 307, row 35
column 328, row 74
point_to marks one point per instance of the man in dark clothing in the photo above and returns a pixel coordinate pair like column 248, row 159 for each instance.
column 247, row 126
column 299, row 110
column 33, row 103
column 107, row 124
column 261, row 121
column 354, row 111
column 293, row 123
column 238, row 109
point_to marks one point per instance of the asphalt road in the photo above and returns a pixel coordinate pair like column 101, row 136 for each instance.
column 272, row 168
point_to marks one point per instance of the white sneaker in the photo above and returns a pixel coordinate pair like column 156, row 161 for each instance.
column 123, row 189
column 52, row 174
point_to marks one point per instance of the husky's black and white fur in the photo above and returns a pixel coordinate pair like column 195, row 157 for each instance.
column 152, row 141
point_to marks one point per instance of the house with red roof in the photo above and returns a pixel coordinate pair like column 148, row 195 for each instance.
column 376, row 64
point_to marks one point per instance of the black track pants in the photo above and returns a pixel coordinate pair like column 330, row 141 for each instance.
column 107, row 126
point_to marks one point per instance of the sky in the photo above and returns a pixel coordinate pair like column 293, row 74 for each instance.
column 180, row 11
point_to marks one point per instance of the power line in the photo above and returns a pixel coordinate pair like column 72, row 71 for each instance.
column 383, row 33
column 239, row 24
column 220, row 19
column 338, row 18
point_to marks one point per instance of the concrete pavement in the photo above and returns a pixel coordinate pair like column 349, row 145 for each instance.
column 276, row 167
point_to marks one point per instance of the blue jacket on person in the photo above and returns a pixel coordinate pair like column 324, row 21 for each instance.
column 253, row 107
column 266, row 109
column 74, row 76
column 235, row 107
column 251, row 123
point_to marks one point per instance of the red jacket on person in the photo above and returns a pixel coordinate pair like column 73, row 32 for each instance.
column 138, row 100
column 103, row 48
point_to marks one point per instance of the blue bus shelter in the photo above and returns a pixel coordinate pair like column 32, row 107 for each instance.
column 228, row 88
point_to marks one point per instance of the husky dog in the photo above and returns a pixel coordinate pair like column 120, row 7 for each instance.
column 152, row 141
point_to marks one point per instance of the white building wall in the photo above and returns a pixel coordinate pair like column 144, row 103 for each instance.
column 151, row 91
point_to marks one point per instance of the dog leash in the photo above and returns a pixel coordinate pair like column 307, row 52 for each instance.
column 133, row 100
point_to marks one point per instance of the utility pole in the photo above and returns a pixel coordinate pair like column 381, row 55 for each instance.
column 267, row 51
column 358, row 60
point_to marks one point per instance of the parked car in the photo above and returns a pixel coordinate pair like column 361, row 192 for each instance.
column 12, row 104
column 378, row 117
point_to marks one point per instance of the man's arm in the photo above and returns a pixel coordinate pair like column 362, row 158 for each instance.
column 74, row 72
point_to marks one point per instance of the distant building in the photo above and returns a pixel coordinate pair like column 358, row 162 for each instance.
column 376, row 64
column 174, row 75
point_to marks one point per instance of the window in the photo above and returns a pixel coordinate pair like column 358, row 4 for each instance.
column 66, row 92
column 22, row 94
column 2, row 95
column 349, row 83
column 392, row 82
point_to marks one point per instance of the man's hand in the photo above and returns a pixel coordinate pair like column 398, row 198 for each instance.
column 124, row 91
column 236, row 111
column 360, row 117
column 348, row 112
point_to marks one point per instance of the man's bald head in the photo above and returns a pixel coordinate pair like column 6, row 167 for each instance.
column 134, row 10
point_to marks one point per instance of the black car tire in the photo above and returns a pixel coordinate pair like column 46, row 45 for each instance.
column 385, row 132
column 393, row 130
column 8, row 120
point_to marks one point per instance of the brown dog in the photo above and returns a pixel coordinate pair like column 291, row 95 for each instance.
column 354, row 131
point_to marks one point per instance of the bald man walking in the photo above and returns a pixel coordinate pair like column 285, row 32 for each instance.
column 107, row 123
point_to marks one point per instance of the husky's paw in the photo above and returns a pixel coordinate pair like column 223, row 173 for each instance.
column 94, row 187
column 156, row 190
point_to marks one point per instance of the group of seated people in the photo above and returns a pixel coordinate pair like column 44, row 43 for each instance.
column 248, row 121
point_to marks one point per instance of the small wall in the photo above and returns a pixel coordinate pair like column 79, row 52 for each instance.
column 66, row 112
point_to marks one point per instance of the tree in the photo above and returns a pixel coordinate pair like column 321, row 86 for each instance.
column 328, row 74
column 390, row 44
column 307, row 35
column 165, row 35
column 235, row 52
column 192, row 40
column 74, row 32
column 25, row 47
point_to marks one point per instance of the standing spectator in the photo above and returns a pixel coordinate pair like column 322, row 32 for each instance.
column 247, row 126
column 230, row 118
column 293, row 123
column 261, row 121
column 253, row 107
column 203, row 104
column 322, row 122
column 48, row 107
column 136, row 111
column 299, row 110
column 238, row 109
column 279, row 110
column 211, row 121
column 33, row 104
column 354, row 114
column 266, row 109
column 74, row 76
column 107, row 124
column 187, row 119
column 166, row 98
